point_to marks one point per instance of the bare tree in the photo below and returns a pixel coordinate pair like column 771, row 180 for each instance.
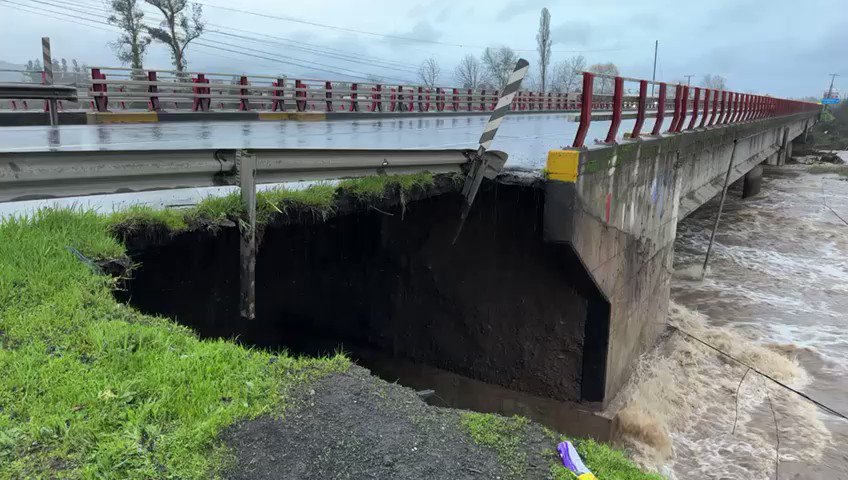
column 132, row 43
column 371, row 78
column 499, row 64
column 470, row 72
column 429, row 71
column 566, row 74
column 714, row 82
column 543, row 46
column 603, row 85
column 183, row 23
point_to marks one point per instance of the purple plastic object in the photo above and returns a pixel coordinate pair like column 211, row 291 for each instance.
column 571, row 459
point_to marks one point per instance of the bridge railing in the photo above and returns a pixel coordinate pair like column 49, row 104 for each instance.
column 689, row 107
column 117, row 88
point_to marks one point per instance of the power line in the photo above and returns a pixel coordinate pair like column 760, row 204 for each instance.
column 275, row 58
column 308, row 47
column 383, row 35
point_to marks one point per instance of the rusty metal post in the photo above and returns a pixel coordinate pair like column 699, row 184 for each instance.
column 617, row 104
column 246, row 165
column 585, row 109
column 640, row 112
column 660, row 110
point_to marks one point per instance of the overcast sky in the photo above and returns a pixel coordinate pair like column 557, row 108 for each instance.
column 779, row 47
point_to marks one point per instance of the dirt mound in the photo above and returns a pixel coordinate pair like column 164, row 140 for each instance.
column 355, row 426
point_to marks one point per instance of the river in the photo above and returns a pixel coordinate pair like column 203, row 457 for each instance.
column 776, row 297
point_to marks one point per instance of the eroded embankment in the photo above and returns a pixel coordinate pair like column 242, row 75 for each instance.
column 90, row 387
column 382, row 275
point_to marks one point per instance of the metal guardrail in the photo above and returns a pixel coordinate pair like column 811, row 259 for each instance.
column 718, row 107
column 40, row 175
column 17, row 91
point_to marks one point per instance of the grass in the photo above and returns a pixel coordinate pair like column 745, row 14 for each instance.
column 317, row 200
column 507, row 436
column 377, row 187
column 503, row 434
column 90, row 388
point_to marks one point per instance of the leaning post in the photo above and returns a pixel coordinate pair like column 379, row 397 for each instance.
column 52, row 104
column 246, row 165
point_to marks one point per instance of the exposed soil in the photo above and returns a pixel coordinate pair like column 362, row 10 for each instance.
column 355, row 426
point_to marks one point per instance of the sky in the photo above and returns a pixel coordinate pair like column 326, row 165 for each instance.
column 785, row 48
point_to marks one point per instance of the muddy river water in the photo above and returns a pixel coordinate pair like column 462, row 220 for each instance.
column 776, row 297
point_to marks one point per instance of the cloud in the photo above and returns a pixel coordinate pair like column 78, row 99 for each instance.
column 420, row 31
column 444, row 14
column 518, row 7
column 571, row 32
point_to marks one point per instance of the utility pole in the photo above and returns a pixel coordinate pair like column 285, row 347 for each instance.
column 832, row 78
column 688, row 79
column 654, row 77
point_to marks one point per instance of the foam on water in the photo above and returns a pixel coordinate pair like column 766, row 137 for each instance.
column 676, row 414
column 775, row 296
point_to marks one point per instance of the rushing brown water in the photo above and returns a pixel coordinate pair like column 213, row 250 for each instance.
column 776, row 297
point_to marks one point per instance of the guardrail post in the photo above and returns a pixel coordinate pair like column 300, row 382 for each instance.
column 279, row 102
column 695, row 106
column 400, row 99
column 495, row 101
column 440, row 99
column 354, row 101
column 660, row 109
column 328, row 87
column 101, row 101
column 244, row 103
column 617, row 105
column 468, row 100
column 675, row 118
column 734, row 115
column 585, row 109
column 684, row 107
column 722, row 116
column 246, row 164
column 300, row 93
column 706, row 110
column 455, row 99
column 641, row 106
column 152, row 89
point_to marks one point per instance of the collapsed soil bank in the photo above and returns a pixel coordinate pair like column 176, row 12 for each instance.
column 499, row 306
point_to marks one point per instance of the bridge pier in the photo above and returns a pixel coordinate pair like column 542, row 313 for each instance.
column 753, row 182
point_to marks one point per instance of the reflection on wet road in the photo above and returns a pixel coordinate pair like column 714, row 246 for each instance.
column 526, row 137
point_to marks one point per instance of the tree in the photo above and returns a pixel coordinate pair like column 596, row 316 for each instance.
column 567, row 74
column 470, row 73
column 714, row 82
column 428, row 72
column 543, row 46
column 603, row 85
column 499, row 64
column 132, row 43
column 178, row 28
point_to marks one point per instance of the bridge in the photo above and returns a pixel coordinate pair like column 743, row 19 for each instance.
column 560, row 278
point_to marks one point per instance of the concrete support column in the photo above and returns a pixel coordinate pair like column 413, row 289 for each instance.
column 784, row 147
column 773, row 159
column 753, row 182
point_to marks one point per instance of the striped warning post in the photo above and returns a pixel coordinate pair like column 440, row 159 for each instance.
column 502, row 107
column 480, row 161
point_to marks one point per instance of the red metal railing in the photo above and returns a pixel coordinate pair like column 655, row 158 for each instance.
column 717, row 108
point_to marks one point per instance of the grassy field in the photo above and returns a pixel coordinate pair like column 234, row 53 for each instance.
column 90, row 388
